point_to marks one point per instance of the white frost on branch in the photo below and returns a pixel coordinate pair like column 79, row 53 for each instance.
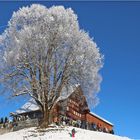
column 44, row 50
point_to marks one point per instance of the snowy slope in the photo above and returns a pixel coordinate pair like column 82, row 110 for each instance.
column 59, row 134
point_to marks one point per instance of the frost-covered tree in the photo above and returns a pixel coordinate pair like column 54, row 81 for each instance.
column 43, row 51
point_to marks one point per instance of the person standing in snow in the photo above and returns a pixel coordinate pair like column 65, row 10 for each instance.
column 73, row 132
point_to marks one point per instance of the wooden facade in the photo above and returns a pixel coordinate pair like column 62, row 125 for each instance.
column 76, row 108
column 91, row 118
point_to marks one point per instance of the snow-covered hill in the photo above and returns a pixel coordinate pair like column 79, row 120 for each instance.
column 58, row 134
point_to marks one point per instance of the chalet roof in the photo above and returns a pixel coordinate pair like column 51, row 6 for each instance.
column 97, row 116
column 31, row 105
column 66, row 92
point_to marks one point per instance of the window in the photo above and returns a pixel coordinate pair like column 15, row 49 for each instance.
column 67, row 108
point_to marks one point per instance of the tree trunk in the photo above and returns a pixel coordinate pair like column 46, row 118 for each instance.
column 45, row 120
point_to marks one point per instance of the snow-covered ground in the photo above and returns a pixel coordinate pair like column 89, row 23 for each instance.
column 58, row 134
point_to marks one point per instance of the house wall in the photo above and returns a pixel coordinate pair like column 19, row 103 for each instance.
column 74, row 111
column 25, row 124
column 73, row 108
column 92, row 119
column 69, row 108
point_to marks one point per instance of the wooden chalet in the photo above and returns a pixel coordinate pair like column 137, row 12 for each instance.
column 74, row 106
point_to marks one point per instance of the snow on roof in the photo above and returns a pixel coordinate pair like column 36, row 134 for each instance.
column 29, row 106
column 101, row 118
column 66, row 92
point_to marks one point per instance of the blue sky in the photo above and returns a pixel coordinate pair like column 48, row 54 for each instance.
column 115, row 27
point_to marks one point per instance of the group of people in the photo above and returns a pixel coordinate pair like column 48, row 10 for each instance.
column 98, row 127
column 63, row 120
